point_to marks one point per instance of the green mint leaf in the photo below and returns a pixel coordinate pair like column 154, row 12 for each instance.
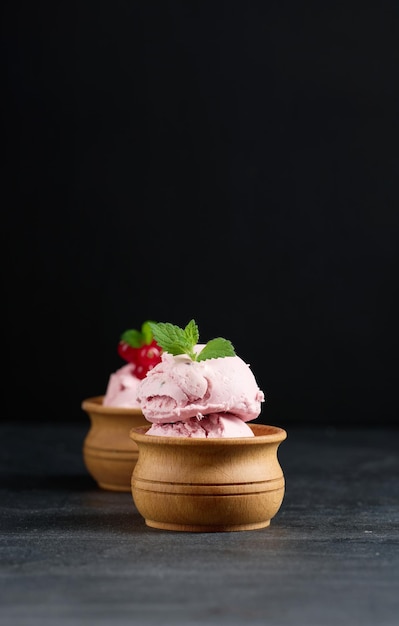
column 133, row 338
column 136, row 338
column 146, row 332
column 176, row 340
column 216, row 349
column 171, row 338
column 191, row 333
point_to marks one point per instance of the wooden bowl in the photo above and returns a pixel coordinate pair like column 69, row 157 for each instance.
column 208, row 485
column 108, row 452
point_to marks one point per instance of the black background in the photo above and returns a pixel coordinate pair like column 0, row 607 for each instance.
column 232, row 162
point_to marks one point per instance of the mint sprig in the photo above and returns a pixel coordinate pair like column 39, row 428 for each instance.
column 137, row 338
column 176, row 340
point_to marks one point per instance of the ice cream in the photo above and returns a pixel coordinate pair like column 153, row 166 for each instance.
column 210, row 426
column 122, row 388
column 213, row 397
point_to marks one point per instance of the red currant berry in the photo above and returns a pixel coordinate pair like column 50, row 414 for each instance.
column 128, row 353
column 143, row 359
column 149, row 355
column 140, row 371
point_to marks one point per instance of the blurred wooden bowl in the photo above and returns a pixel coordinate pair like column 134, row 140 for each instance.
column 208, row 485
column 108, row 452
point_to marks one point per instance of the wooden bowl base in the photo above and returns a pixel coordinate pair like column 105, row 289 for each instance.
column 206, row 529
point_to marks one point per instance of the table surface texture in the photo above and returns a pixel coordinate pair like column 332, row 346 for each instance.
column 72, row 553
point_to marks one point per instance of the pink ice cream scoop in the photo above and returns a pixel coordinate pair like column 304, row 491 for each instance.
column 210, row 426
column 122, row 388
column 210, row 398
